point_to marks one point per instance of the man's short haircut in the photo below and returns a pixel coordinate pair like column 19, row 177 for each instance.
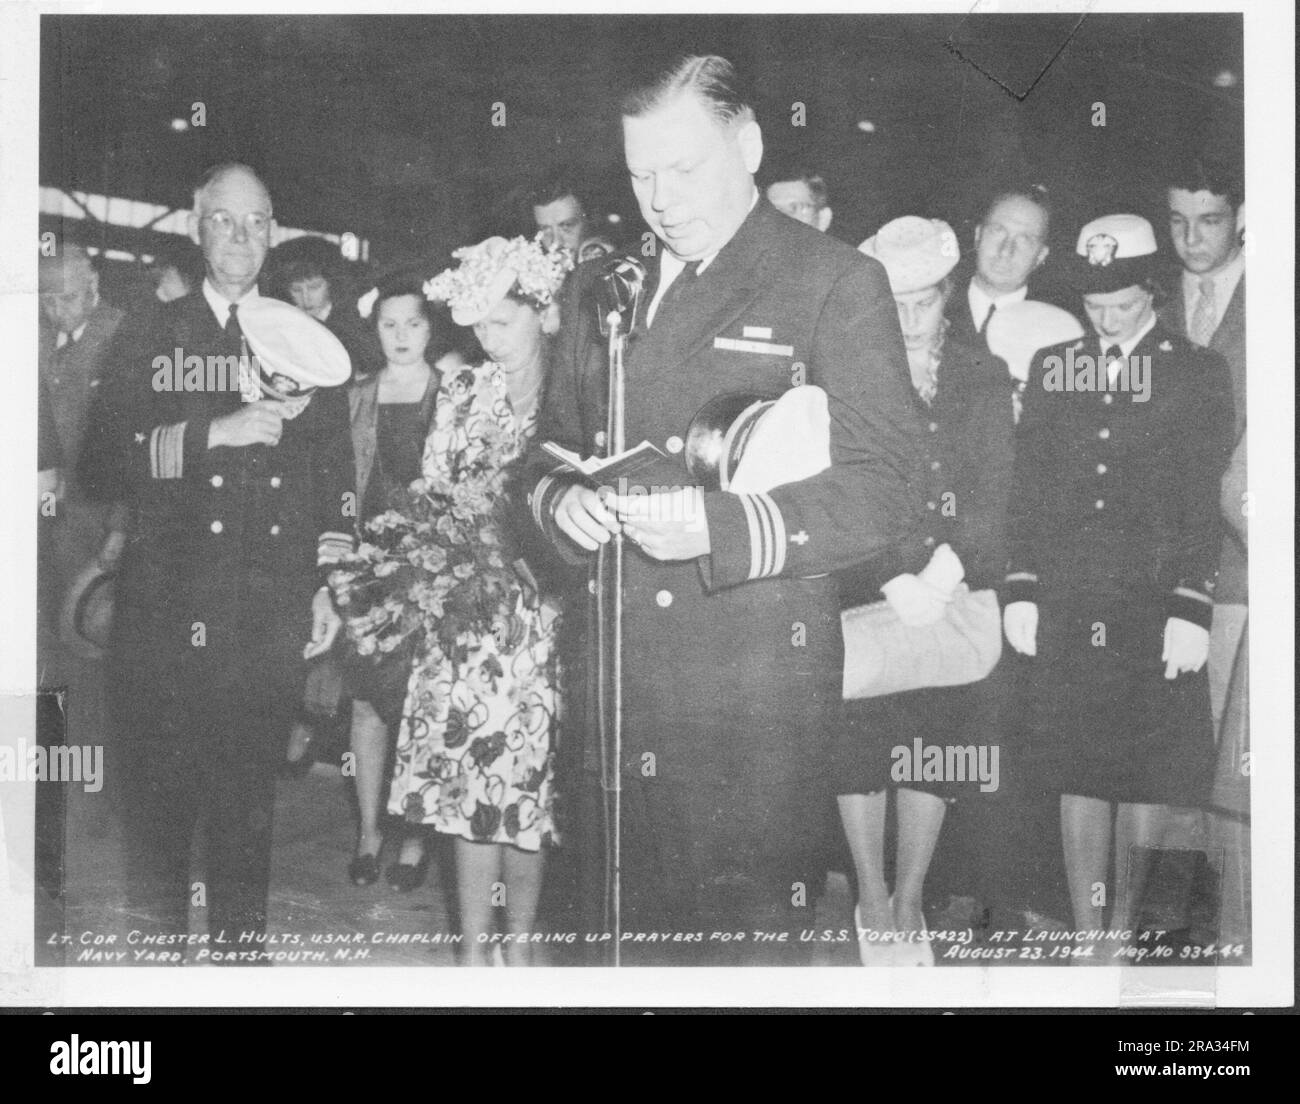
column 713, row 79
column 1206, row 174
column 816, row 183
column 1037, row 194
column 216, row 172
column 555, row 186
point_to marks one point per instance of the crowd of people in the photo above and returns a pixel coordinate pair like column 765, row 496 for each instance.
column 1055, row 488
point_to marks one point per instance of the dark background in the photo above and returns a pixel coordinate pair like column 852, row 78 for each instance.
column 381, row 125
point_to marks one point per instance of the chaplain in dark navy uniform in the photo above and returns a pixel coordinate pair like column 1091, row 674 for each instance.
column 1114, row 536
column 733, row 650
column 240, row 506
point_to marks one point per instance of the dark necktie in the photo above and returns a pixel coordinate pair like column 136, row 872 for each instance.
column 677, row 290
column 988, row 318
column 238, row 344
column 234, row 333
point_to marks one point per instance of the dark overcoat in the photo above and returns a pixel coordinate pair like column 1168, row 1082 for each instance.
column 733, row 661
column 229, row 544
column 1113, row 528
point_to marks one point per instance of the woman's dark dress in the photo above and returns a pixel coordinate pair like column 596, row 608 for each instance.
column 401, row 429
column 969, row 429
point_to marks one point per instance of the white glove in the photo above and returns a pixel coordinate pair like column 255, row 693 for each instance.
column 1187, row 647
column 944, row 571
column 915, row 601
column 1020, row 623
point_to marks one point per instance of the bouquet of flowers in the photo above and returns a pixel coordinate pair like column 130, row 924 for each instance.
column 431, row 571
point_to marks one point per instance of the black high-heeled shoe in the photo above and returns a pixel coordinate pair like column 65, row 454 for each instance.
column 364, row 870
column 405, row 877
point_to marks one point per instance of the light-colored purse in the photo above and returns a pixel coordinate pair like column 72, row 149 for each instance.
column 745, row 445
column 884, row 656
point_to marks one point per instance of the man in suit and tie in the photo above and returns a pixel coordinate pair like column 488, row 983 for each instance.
column 77, row 331
column 1208, row 304
column 1010, row 246
column 733, row 651
column 82, row 536
column 239, row 509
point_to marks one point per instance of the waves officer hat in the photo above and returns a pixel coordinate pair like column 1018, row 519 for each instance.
column 1114, row 252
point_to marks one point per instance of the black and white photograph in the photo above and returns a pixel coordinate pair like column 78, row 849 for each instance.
column 637, row 500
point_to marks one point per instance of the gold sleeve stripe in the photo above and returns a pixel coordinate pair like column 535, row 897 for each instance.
column 332, row 547
column 166, row 451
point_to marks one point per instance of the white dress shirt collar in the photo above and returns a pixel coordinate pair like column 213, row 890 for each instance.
column 1113, row 367
column 981, row 302
column 671, row 266
column 220, row 304
column 1126, row 347
column 64, row 337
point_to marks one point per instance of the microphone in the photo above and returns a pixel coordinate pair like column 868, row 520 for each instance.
column 619, row 290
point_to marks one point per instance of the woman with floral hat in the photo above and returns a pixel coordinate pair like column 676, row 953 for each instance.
column 475, row 750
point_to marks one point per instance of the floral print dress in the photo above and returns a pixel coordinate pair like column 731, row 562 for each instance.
column 475, row 750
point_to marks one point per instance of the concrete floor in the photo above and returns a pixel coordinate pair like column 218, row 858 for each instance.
column 311, row 894
column 313, row 900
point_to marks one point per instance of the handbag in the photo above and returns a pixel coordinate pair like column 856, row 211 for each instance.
column 323, row 689
column 884, row 656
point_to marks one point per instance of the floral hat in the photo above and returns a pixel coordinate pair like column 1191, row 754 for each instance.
column 489, row 271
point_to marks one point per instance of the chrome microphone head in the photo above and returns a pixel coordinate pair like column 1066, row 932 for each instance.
column 619, row 289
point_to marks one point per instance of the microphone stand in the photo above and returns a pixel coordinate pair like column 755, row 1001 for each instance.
column 618, row 297
column 609, row 644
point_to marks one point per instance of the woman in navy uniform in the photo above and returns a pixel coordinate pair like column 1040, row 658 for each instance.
column 733, row 652
column 963, row 398
column 1114, row 537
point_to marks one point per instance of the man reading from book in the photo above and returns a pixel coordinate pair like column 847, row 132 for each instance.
column 732, row 642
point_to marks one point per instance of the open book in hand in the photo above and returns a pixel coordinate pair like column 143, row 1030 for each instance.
column 648, row 463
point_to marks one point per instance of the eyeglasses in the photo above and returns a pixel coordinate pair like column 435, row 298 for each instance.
column 255, row 223
column 797, row 209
